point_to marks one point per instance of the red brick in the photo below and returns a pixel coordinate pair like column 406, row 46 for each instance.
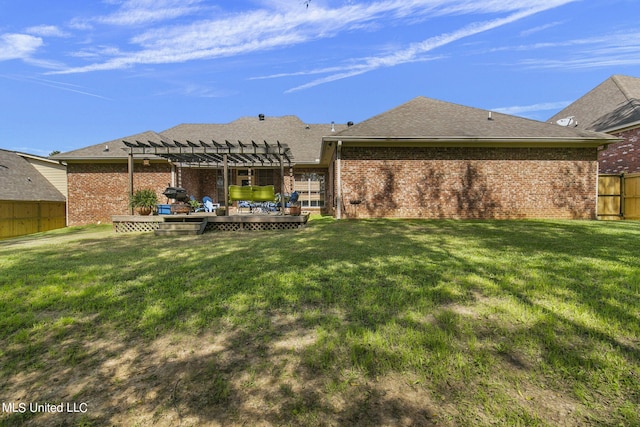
column 469, row 182
column 622, row 157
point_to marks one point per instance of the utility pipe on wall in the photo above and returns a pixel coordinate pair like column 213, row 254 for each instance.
column 339, row 183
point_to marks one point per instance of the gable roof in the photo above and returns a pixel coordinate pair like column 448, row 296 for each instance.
column 109, row 150
column 612, row 105
column 303, row 139
column 20, row 180
column 425, row 119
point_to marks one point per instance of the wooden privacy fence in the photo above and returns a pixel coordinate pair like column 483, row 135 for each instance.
column 619, row 196
column 24, row 217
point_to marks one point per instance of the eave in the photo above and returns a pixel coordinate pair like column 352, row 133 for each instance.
column 472, row 141
column 468, row 142
column 620, row 129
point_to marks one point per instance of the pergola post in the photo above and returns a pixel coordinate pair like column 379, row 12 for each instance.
column 226, row 183
column 130, row 167
column 281, row 186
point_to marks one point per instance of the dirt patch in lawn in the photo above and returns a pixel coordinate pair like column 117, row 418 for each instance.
column 228, row 377
column 239, row 377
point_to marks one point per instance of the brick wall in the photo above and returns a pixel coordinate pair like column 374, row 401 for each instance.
column 469, row 182
column 99, row 190
column 622, row 157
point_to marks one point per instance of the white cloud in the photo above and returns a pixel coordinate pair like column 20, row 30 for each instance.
column 414, row 51
column 47, row 31
column 195, row 90
column 280, row 24
column 18, row 46
column 546, row 106
column 68, row 87
column 613, row 50
column 540, row 28
column 134, row 12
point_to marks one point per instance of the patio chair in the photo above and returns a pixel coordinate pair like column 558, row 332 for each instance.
column 208, row 204
column 293, row 199
column 288, row 201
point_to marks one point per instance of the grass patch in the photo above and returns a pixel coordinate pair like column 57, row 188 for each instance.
column 371, row 322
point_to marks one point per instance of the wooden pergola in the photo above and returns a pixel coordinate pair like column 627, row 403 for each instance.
column 214, row 154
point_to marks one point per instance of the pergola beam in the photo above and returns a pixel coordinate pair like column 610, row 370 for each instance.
column 238, row 154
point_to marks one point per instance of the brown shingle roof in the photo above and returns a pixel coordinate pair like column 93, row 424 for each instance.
column 109, row 150
column 429, row 119
column 612, row 105
column 303, row 139
column 20, row 180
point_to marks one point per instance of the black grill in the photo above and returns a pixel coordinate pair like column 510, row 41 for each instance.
column 177, row 193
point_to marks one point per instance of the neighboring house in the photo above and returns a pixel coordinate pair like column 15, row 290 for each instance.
column 31, row 194
column 434, row 159
column 423, row 159
column 612, row 107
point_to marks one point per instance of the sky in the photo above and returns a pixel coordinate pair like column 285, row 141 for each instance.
column 77, row 73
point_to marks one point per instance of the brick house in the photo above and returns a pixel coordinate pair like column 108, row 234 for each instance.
column 433, row 159
column 612, row 107
column 423, row 159
column 99, row 182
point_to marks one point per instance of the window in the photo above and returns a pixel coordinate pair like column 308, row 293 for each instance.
column 310, row 186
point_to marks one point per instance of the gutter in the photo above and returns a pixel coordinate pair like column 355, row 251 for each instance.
column 477, row 141
column 624, row 128
column 339, row 183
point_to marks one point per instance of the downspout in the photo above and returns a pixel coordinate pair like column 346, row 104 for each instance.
column 339, row 181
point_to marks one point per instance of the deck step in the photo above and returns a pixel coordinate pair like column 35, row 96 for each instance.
column 180, row 225
column 160, row 232
column 181, row 228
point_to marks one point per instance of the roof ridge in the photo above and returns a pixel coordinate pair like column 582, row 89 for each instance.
column 616, row 80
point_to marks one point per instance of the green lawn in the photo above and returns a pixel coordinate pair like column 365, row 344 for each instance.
column 370, row 322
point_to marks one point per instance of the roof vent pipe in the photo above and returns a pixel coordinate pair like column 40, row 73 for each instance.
column 333, row 126
column 261, row 117
column 349, row 124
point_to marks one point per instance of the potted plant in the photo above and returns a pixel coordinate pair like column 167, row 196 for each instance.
column 194, row 205
column 144, row 201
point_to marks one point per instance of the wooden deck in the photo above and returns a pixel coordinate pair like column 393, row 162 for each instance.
column 207, row 222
